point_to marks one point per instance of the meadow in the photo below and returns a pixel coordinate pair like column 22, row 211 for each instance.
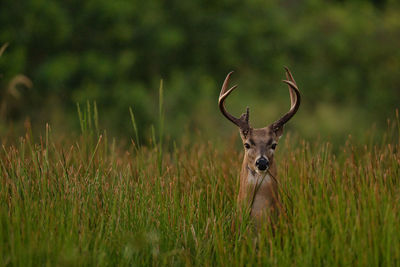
column 103, row 187
column 89, row 200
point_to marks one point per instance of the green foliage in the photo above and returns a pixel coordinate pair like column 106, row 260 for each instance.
column 344, row 55
column 83, row 202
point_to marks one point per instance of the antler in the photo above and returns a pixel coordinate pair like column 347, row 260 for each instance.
column 243, row 121
column 294, row 101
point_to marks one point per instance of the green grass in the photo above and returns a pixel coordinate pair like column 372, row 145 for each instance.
column 91, row 201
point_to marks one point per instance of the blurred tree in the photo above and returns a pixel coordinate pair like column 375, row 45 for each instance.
column 115, row 52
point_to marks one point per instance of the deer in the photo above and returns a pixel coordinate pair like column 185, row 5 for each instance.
column 258, row 185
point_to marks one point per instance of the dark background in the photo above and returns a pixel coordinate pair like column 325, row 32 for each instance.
column 344, row 56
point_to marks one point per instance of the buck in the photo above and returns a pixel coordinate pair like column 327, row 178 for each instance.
column 258, row 188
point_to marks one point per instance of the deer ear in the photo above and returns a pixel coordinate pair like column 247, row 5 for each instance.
column 244, row 133
column 278, row 131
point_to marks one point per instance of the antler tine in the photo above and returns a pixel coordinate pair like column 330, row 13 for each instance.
column 289, row 77
column 243, row 121
column 224, row 93
column 294, row 99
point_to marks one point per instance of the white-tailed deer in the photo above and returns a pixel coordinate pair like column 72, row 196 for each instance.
column 258, row 185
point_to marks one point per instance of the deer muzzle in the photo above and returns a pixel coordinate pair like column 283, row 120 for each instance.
column 262, row 163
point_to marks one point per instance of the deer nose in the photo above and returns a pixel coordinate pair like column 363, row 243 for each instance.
column 262, row 163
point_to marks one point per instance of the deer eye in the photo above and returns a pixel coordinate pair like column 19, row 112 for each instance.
column 246, row 145
column 273, row 146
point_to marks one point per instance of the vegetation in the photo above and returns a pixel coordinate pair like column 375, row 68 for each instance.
column 89, row 201
column 74, row 194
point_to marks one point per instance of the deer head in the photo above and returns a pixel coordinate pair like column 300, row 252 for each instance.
column 260, row 143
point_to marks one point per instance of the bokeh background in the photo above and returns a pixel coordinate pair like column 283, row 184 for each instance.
column 345, row 57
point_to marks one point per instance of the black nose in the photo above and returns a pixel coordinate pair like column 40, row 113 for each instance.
column 262, row 164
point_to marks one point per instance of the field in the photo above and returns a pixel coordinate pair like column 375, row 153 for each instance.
column 157, row 184
column 87, row 200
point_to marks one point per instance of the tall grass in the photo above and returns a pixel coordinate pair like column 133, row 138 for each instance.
column 87, row 202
